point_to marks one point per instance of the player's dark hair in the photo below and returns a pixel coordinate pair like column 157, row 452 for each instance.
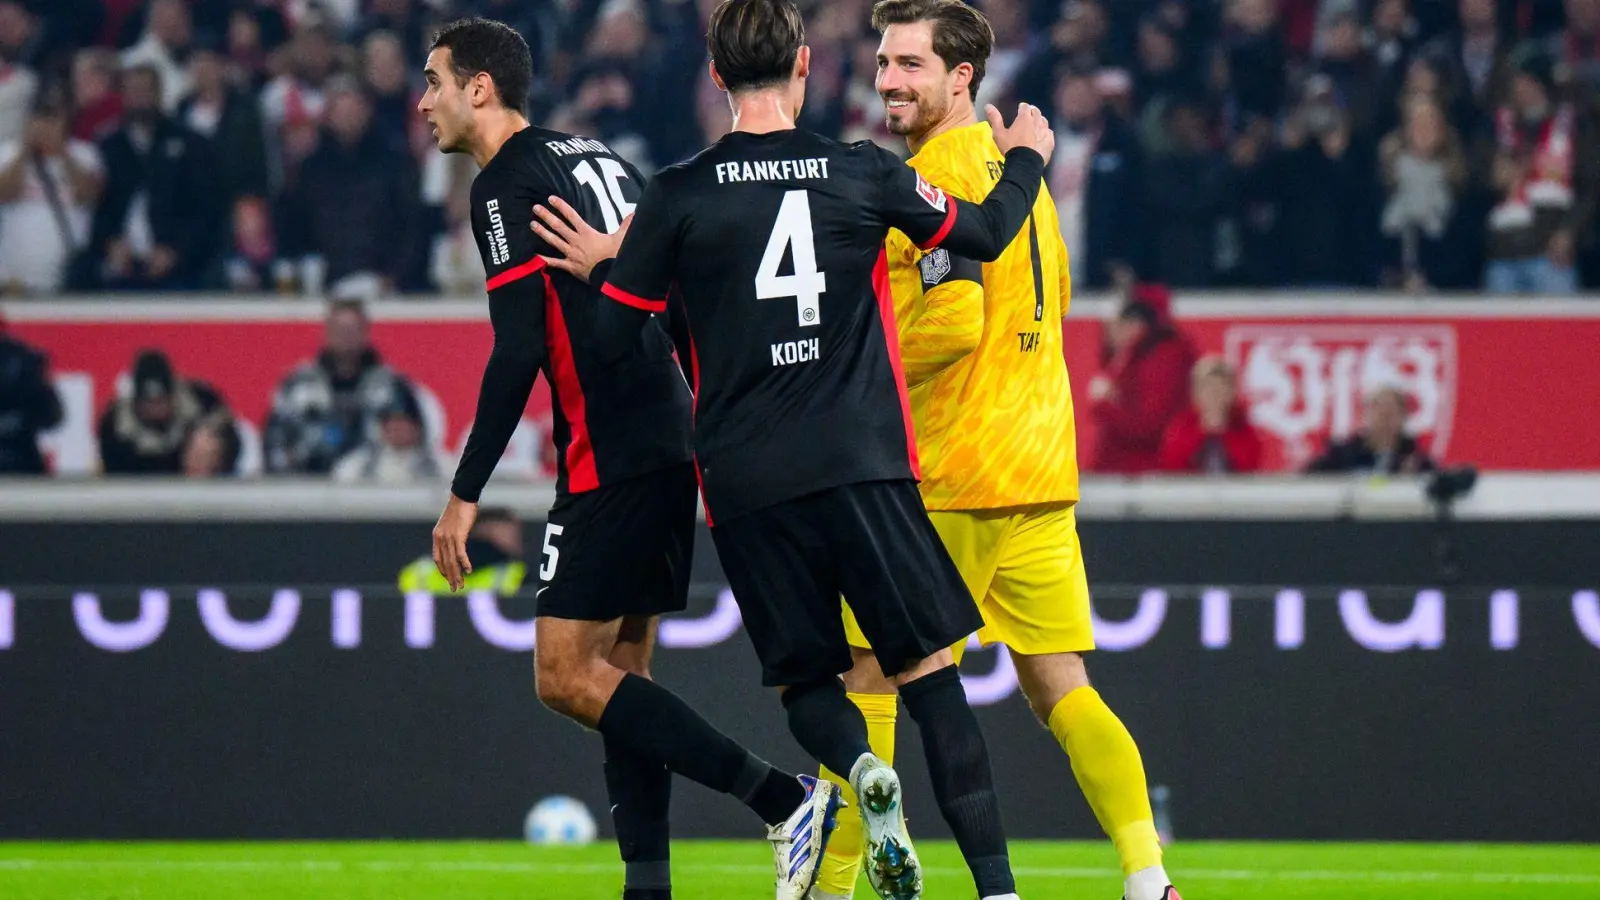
column 484, row 45
column 960, row 33
column 754, row 43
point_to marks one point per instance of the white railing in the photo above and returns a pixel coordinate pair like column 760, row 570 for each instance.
column 1497, row 496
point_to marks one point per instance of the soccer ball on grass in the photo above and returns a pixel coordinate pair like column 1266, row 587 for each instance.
column 559, row 821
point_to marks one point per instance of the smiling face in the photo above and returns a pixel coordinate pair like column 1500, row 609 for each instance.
column 916, row 88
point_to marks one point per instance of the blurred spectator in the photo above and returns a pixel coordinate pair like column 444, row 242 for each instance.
column 29, row 404
column 1477, row 48
column 495, row 549
column 1144, row 385
column 250, row 263
column 18, row 81
column 164, row 45
column 455, row 266
column 292, row 105
column 1163, row 76
column 211, row 452
column 48, row 187
column 1097, row 179
column 1576, row 48
column 1391, row 39
column 145, row 432
column 1246, row 253
column 97, row 104
column 603, row 107
column 1425, row 170
column 331, row 405
column 386, row 74
column 1188, row 186
column 1382, row 446
column 400, row 18
column 1214, row 435
column 1077, row 43
column 1544, row 172
column 1326, row 188
column 225, row 114
column 22, row 35
column 354, row 170
column 253, row 33
column 1249, row 69
column 156, row 225
column 1009, row 20
column 1353, row 76
column 398, row 453
column 1434, row 77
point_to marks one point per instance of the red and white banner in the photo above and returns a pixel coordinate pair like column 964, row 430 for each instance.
column 1489, row 385
column 244, row 351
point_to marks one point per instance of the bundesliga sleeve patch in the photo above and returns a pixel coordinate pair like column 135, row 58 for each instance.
column 939, row 267
column 935, row 266
column 935, row 196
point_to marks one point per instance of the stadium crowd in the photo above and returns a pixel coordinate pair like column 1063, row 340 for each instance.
column 273, row 145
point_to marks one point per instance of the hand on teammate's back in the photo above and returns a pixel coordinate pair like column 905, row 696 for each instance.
column 581, row 246
column 1029, row 129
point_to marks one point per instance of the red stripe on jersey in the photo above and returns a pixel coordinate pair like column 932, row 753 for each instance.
column 694, row 407
column 581, row 474
column 891, row 335
column 944, row 230
column 516, row 272
column 633, row 300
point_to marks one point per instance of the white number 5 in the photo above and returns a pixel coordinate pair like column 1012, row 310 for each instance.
column 806, row 285
column 547, row 569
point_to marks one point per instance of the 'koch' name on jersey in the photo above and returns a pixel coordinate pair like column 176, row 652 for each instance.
column 772, row 170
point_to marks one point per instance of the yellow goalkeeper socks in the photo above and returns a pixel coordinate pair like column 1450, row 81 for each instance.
column 843, row 860
column 1106, row 762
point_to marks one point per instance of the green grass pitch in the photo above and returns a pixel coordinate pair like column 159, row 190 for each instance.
column 716, row 870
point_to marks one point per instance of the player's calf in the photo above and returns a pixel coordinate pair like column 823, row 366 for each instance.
column 1105, row 760
column 963, row 782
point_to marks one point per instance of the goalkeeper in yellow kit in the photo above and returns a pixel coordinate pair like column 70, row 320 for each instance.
column 981, row 346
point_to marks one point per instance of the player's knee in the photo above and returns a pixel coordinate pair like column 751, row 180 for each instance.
column 1047, row 679
column 866, row 676
column 559, row 683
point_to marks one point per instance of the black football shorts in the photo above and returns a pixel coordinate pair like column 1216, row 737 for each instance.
column 788, row 564
column 620, row 550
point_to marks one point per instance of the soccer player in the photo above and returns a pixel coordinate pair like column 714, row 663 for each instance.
column 802, row 438
column 993, row 411
column 616, row 551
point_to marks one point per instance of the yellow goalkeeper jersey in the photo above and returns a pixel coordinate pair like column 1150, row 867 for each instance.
column 994, row 426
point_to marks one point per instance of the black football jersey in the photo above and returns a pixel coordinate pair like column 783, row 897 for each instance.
column 775, row 242
column 612, row 421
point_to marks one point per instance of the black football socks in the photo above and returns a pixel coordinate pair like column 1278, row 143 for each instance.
column 827, row 725
column 963, row 783
column 655, row 724
column 640, row 792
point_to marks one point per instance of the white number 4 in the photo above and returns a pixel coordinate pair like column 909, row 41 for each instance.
column 806, row 285
column 607, row 190
column 547, row 569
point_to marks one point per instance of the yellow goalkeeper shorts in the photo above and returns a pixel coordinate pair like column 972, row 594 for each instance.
column 1024, row 568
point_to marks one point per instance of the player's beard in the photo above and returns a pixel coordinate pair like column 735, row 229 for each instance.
column 916, row 119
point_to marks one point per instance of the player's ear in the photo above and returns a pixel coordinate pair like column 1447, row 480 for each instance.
column 715, row 78
column 802, row 62
column 480, row 90
column 961, row 77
